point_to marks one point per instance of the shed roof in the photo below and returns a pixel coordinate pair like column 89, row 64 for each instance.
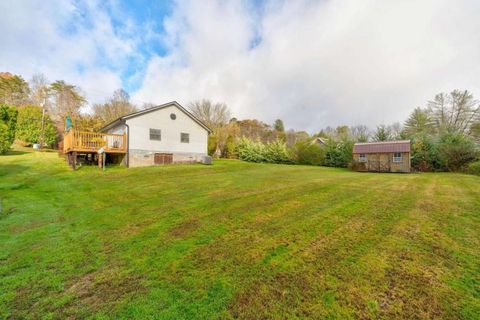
column 382, row 147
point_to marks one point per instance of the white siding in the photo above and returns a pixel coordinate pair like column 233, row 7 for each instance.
column 119, row 129
column 139, row 135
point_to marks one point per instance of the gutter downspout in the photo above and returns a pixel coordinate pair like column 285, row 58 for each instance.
column 128, row 143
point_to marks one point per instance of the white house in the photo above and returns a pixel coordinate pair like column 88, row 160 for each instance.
column 167, row 133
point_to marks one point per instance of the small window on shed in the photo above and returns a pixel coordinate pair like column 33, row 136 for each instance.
column 185, row 137
column 155, row 134
column 362, row 157
column 397, row 157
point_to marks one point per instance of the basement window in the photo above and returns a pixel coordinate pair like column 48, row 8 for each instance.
column 155, row 134
column 362, row 157
column 185, row 137
column 397, row 157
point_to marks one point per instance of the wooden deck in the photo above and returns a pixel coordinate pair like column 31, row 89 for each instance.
column 91, row 142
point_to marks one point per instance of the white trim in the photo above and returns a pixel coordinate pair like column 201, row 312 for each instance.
column 397, row 158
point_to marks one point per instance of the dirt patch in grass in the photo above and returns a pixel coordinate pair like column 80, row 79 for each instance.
column 185, row 228
column 102, row 291
column 411, row 295
column 19, row 228
column 279, row 294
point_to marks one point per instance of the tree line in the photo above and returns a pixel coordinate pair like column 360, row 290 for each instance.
column 445, row 133
column 35, row 111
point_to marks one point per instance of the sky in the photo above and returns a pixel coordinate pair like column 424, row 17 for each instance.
column 311, row 63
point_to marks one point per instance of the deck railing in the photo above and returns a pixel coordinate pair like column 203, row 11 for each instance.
column 82, row 141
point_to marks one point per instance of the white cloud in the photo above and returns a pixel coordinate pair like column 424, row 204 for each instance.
column 64, row 40
column 318, row 63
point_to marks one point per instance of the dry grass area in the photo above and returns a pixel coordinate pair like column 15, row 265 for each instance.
column 235, row 240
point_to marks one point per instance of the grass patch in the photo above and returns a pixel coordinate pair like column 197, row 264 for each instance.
column 235, row 240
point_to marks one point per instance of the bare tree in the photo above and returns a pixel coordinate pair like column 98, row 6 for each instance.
column 39, row 90
column 395, row 131
column 455, row 111
column 117, row 106
column 360, row 133
column 212, row 114
column 147, row 105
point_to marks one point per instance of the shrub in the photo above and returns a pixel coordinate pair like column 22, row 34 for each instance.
column 273, row 152
column 306, row 152
column 251, row 151
column 8, row 121
column 29, row 127
column 456, row 151
column 276, row 152
column 338, row 154
column 212, row 144
column 474, row 168
column 230, row 151
column 425, row 153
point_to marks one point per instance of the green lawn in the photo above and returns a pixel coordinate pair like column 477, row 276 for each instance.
column 235, row 240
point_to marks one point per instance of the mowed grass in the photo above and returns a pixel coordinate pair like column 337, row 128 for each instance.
column 235, row 240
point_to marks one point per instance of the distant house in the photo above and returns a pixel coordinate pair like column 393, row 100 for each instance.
column 164, row 134
column 322, row 142
column 385, row 156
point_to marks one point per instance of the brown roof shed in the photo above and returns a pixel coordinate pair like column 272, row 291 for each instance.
column 382, row 147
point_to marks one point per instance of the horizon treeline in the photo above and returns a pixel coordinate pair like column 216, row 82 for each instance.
column 445, row 133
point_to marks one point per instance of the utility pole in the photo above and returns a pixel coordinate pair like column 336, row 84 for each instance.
column 42, row 132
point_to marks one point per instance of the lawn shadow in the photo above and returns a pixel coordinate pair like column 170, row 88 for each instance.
column 11, row 169
column 14, row 153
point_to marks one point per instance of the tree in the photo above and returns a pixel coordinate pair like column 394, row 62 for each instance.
column 454, row 112
column 278, row 125
column 307, row 152
column 67, row 100
column 214, row 115
column 117, row 106
column 396, row 131
column 382, row 133
column 475, row 131
column 424, row 152
column 89, row 122
column 420, row 121
column 39, row 90
column 8, row 122
column 338, row 154
column 13, row 89
column 456, row 151
column 360, row 133
column 29, row 127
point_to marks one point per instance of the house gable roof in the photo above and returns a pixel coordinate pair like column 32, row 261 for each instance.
column 382, row 147
column 152, row 109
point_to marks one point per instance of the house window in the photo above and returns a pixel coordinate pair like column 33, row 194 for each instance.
column 185, row 137
column 155, row 134
column 362, row 157
column 397, row 157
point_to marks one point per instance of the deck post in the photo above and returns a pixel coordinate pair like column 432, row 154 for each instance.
column 100, row 160
column 74, row 160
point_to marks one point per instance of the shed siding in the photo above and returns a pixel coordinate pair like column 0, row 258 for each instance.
column 383, row 162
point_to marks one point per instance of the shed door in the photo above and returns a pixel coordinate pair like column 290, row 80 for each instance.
column 163, row 158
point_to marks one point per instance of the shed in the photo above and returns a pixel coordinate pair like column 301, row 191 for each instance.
column 383, row 156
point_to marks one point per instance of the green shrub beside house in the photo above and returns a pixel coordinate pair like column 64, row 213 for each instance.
column 8, row 121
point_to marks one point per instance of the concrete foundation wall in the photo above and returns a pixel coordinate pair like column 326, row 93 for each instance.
column 142, row 158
